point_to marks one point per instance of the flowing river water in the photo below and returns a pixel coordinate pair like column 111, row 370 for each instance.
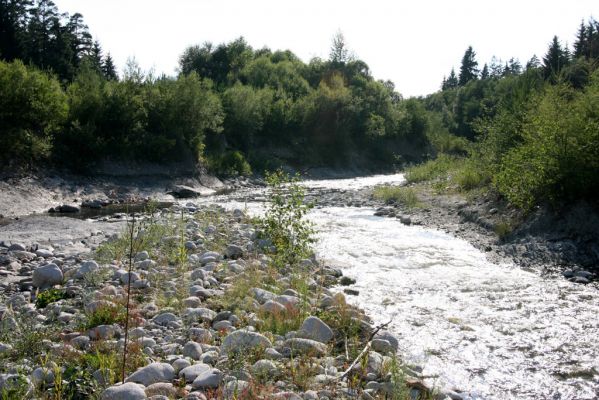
column 485, row 330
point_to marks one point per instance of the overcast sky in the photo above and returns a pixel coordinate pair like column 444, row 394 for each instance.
column 413, row 43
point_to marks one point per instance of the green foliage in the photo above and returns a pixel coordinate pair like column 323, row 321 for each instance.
column 49, row 296
column 558, row 157
column 230, row 163
column 284, row 222
column 405, row 196
column 431, row 170
column 139, row 118
column 105, row 314
column 32, row 109
column 468, row 69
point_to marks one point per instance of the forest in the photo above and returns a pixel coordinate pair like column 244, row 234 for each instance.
column 529, row 131
column 230, row 106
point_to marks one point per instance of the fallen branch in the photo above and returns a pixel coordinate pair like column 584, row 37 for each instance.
column 365, row 350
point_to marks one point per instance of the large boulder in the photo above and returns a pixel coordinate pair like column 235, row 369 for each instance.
column 189, row 374
column 47, row 276
column 306, row 347
column 210, row 379
column 192, row 350
column 153, row 373
column 86, row 268
column 233, row 251
column 388, row 336
column 243, row 340
column 126, row 391
column 184, row 192
column 164, row 319
column 314, row 328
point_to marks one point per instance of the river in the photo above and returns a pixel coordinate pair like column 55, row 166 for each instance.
column 485, row 330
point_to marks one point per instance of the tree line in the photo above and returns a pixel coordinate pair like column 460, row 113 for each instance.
column 231, row 106
column 530, row 131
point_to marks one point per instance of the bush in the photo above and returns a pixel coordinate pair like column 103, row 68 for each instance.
column 33, row 108
column 49, row 296
column 230, row 163
column 284, row 222
column 558, row 159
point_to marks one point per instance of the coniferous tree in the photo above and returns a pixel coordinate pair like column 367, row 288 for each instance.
column 496, row 67
column 533, row 63
column 452, row 80
column 13, row 23
column 42, row 16
column 468, row 69
column 555, row 59
column 485, row 72
column 339, row 51
column 581, row 43
column 94, row 58
column 108, row 68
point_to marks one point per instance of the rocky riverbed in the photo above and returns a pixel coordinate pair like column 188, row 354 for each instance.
column 454, row 320
column 209, row 317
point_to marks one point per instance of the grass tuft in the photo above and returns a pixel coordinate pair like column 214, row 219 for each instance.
column 397, row 194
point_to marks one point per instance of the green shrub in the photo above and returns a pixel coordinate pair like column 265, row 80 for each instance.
column 33, row 108
column 107, row 314
column 230, row 163
column 469, row 177
column 558, row 159
column 49, row 296
column 397, row 194
column 284, row 222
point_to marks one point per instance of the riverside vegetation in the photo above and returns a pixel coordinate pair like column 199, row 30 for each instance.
column 232, row 107
column 529, row 132
column 217, row 305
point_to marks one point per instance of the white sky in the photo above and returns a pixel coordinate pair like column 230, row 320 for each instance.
column 414, row 43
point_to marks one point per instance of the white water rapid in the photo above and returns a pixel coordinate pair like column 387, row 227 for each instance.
column 488, row 331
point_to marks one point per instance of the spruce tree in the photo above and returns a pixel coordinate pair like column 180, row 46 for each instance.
column 468, row 69
column 485, row 72
column 555, row 59
column 452, row 80
column 581, row 43
column 108, row 68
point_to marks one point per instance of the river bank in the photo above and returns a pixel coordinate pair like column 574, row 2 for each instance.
column 211, row 318
column 452, row 309
column 564, row 242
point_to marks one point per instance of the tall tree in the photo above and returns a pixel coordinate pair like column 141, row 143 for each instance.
column 339, row 52
column 109, row 69
column 43, row 15
column 581, row 43
column 13, row 22
column 452, row 80
column 496, row 67
column 469, row 67
column 555, row 59
column 94, row 57
column 484, row 74
column 533, row 63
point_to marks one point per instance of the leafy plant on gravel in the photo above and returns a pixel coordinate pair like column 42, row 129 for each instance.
column 105, row 314
column 284, row 222
column 503, row 229
column 49, row 296
column 26, row 335
column 16, row 388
